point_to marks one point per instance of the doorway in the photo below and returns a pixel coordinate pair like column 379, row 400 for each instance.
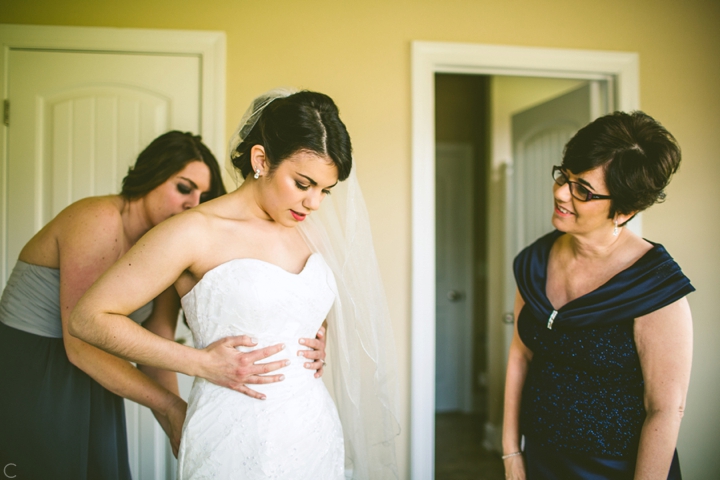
column 462, row 136
column 479, row 118
column 430, row 59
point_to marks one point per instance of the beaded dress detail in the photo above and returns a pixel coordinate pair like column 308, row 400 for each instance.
column 296, row 432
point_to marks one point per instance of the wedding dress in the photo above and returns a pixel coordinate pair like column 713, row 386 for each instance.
column 296, row 432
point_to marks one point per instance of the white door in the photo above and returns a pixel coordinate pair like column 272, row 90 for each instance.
column 454, row 277
column 77, row 121
column 539, row 135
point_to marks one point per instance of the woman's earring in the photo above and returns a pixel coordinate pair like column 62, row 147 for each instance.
column 616, row 230
column 257, row 175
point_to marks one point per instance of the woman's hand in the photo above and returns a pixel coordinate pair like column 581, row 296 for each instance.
column 224, row 365
column 515, row 467
column 172, row 422
column 317, row 354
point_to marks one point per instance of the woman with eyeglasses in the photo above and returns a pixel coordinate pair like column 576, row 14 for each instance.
column 599, row 364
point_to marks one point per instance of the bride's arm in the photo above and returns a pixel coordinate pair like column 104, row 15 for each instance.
column 143, row 273
column 163, row 322
column 87, row 245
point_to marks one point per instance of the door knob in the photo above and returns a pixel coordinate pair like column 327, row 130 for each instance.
column 454, row 295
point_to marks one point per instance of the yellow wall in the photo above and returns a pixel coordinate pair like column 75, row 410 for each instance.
column 359, row 53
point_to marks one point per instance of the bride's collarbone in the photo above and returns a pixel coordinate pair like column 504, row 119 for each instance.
column 288, row 257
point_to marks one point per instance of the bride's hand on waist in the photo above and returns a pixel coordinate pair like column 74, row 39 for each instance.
column 317, row 354
column 224, row 365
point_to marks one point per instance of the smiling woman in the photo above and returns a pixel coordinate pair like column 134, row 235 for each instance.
column 599, row 364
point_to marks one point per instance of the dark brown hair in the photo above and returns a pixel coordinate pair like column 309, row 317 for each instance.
column 638, row 154
column 304, row 121
column 164, row 157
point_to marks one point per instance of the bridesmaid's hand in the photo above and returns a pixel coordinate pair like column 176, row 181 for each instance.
column 172, row 422
column 515, row 467
column 224, row 365
column 317, row 354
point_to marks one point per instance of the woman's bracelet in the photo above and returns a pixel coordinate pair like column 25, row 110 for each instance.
column 511, row 455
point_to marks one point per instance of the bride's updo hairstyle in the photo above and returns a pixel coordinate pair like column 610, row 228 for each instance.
column 304, row 121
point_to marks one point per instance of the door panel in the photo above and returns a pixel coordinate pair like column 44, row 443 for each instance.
column 454, row 277
column 87, row 127
column 539, row 135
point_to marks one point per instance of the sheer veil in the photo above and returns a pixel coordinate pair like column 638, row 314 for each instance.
column 361, row 348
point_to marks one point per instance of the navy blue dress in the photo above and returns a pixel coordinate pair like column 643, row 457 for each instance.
column 582, row 403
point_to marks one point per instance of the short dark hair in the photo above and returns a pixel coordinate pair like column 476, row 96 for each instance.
column 165, row 156
column 638, row 154
column 303, row 121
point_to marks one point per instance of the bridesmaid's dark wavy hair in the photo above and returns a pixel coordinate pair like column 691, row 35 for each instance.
column 303, row 121
column 638, row 154
column 164, row 157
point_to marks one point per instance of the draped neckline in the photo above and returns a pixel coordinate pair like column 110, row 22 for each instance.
column 652, row 282
column 618, row 276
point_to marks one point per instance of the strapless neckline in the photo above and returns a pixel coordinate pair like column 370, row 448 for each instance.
column 215, row 270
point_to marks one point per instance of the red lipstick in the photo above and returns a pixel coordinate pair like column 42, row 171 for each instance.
column 298, row 216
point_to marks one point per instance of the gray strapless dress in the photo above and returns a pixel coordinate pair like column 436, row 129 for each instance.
column 55, row 421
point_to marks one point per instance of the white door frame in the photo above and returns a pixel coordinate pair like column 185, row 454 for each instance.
column 208, row 46
column 429, row 58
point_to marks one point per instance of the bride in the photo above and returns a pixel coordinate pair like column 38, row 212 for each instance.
column 265, row 262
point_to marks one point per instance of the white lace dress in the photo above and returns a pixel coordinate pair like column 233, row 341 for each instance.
column 296, row 432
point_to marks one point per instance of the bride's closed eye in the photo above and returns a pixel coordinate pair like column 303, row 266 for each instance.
column 305, row 187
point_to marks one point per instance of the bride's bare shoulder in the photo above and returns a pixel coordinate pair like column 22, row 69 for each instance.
column 205, row 222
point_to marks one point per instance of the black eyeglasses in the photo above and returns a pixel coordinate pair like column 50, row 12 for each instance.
column 577, row 190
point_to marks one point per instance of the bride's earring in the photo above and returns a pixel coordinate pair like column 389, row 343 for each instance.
column 257, row 175
column 616, row 230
